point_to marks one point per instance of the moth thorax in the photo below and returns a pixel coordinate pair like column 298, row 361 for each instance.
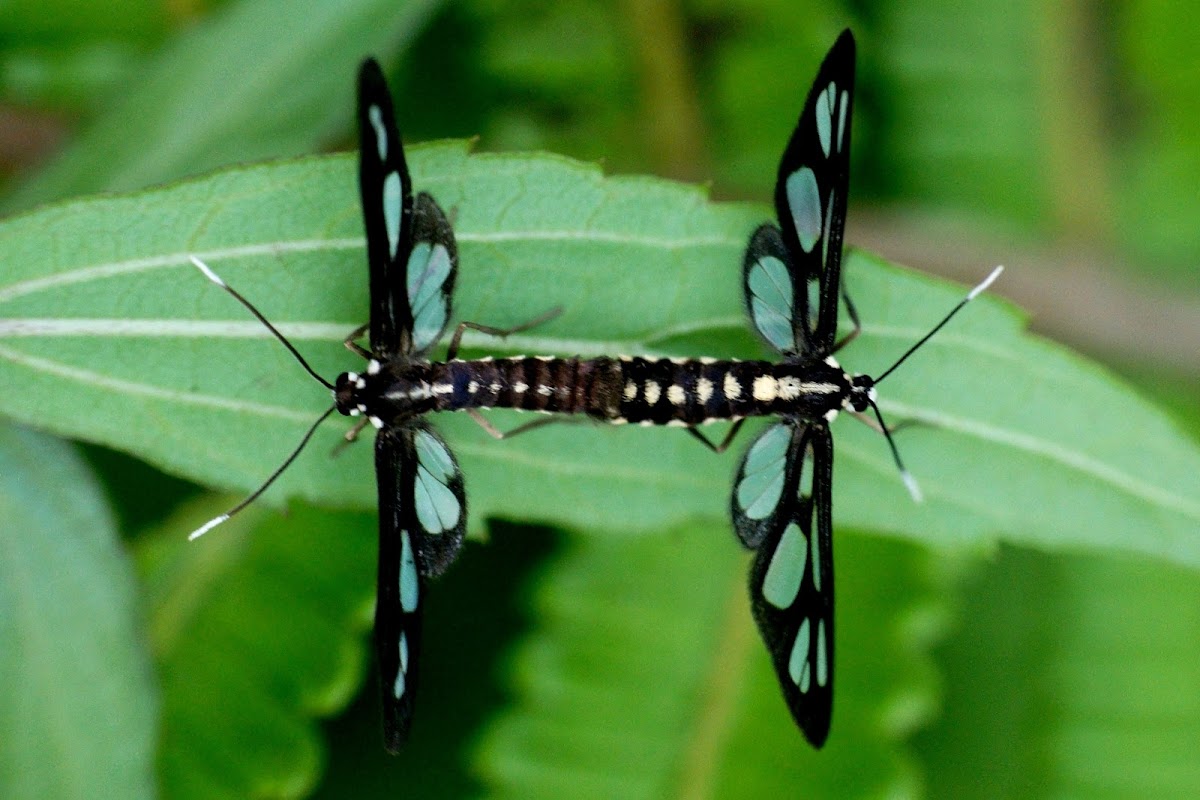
column 862, row 392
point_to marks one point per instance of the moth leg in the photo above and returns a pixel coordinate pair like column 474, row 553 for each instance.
column 348, row 438
column 875, row 426
column 528, row 426
column 718, row 448
column 352, row 434
column 852, row 312
column 452, row 350
column 354, row 346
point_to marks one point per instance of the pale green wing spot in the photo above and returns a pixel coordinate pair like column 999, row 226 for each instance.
column 408, row 575
column 392, row 196
column 381, row 142
column 804, row 200
column 761, row 485
column 841, row 137
column 437, row 507
column 438, row 510
column 399, row 686
column 771, row 300
column 806, row 479
column 825, row 229
column 825, row 116
column 815, row 546
column 434, row 456
column 822, row 655
column 776, row 328
column 798, row 662
column 428, row 269
column 814, row 302
column 782, row 581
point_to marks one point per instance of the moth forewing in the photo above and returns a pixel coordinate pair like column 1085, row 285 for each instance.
column 400, row 584
column 387, row 204
column 810, row 194
column 791, row 587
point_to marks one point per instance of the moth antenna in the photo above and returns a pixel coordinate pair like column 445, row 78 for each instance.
column 217, row 520
column 910, row 482
column 971, row 295
column 215, row 278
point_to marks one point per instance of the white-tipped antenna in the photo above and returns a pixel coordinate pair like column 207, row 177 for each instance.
column 909, row 481
column 215, row 278
column 206, row 527
column 215, row 521
column 208, row 273
column 913, row 488
column 985, row 283
column 971, row 295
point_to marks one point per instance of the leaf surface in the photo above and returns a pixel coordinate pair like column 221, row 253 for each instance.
column 100, row 310
column 79, row 704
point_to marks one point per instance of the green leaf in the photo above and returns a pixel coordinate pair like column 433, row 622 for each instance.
column 1021, row 440
column 78, row 706
column 256, row 632
column 229, row 92
column 647, row 677
column 1102, row 706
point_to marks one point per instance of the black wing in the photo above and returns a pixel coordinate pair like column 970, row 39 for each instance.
column 791, row 582
column 794, row 272
column 422, row 516
column 410, row 247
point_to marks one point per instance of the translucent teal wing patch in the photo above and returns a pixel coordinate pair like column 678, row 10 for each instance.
column 785, row 569
column 428, row 268
column 429, row 274
column 439, row 509
column 768, row 283
column 758, row 489
column 769, row 289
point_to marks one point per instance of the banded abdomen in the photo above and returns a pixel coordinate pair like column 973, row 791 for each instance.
column 689, row 392
column 529, row 383
column 664, row 391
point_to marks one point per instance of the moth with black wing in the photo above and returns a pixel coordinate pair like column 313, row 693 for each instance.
column 782, row 498
column 413, row 260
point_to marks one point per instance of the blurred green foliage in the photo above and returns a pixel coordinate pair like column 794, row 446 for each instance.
column 585, row 661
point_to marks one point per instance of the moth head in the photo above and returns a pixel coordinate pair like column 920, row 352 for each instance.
column 862, row 392
column 346, row 393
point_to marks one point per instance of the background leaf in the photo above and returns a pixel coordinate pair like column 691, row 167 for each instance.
column 229, row 92
column 707, row 719
column 253, row 637
column 78, row 708
column 522, row 220
column 1099, row 704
